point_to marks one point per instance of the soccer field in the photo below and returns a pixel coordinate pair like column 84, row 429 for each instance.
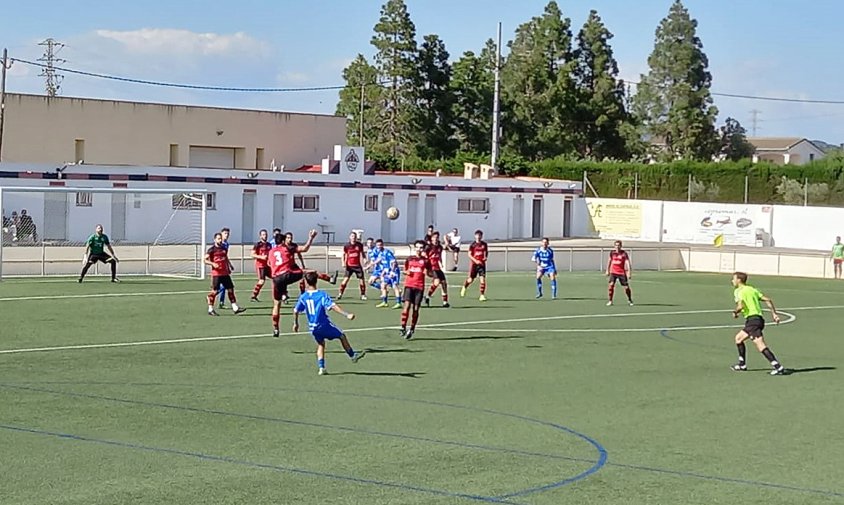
column 130, row 393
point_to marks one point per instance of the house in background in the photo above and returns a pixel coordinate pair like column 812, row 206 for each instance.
column 785, row 150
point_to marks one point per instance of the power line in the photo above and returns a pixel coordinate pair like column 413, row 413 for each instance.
column 53, row 81
column 764, row 98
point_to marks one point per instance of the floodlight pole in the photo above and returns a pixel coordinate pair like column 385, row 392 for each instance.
column 5, row 66
column 496, row 105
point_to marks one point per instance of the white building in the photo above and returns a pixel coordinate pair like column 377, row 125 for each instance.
column 785, row 150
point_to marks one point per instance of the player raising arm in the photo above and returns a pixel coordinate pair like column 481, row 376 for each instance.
column 416, row 267
column 619, row 270
column 94, row 252
column 478, row 254
column 217, row 257
column 749, row 304
column 316, row 304
column 544, row 259
column 260, row 252
column 435, row 256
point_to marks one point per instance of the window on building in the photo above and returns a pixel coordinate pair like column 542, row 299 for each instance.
column 193, row 201
column 137, row 200
column 473, row 205
column 84, row 199
column 811, row 156
column 306, row 203
column 370, row 203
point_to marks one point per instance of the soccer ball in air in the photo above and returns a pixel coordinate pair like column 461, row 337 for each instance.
column 392, row 213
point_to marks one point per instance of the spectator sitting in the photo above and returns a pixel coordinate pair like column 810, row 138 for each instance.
column 26, row 227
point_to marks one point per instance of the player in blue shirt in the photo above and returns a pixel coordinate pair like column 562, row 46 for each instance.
column 316, row 304
column 543, row 256
column 222, row 292
column 386, row 272
column 373, row 260
column 276, row 232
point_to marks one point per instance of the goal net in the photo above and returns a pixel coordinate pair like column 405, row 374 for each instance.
column 152, row 231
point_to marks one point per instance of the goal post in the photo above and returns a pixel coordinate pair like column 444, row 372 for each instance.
column 154, row 232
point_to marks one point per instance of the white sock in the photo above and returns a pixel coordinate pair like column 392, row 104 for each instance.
column 210, row 308
column 235, row 307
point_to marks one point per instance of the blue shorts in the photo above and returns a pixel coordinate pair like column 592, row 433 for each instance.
column 326, row 332
column 391, row 279
column 547, row 270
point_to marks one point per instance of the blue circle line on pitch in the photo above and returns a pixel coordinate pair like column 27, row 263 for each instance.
column 595, row 465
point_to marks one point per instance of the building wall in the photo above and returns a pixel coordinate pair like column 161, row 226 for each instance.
column 47, row 130
column 801, row 153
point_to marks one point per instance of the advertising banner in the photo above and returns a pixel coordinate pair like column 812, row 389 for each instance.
column 613, row 218
column 716, row 224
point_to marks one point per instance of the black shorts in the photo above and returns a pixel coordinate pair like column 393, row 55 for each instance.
column 439, row 275
column 104, row 257
column 453, row 248
column 263, row 272
column 222, row 280
column 413, row 295
column 622, row 279
column 357, row 271
column 753, row 326
column 477, row 271
column 280, row 283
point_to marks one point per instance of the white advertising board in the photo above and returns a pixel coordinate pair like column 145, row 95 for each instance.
column 807, row 227
column 702, row 223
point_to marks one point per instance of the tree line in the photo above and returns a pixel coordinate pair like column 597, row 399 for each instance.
column 561, row 96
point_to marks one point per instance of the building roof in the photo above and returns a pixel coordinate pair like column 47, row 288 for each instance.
column 776, row 143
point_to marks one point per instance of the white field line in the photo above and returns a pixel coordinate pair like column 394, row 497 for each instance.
column 382, row 328
column 98, row 295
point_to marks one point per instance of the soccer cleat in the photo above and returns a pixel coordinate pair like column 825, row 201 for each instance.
column 408, row 335
column 739, row 367
column 115, row 280
column 609, row 303
column 239, row 310
column 780, row 370
column 427, row 301
column 446, row 305
column 397, row 305
column 322, row 371
column 539, row 295
column 630, row 303
column 334, row 277
column 382, row 305
column 284, row 298
column 222, row 305
column 482, row 298
column 462, row 291
column 254, row 299
column 213, row 313
column 363, row 297
column 340, row 296
column 275, row 332
column 79, row 280
column 403, row 333
column 453, row 269
column 553, row 297
column 358, row 356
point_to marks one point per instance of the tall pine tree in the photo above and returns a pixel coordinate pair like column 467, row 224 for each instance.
column 538, row 87
column 600, row 109
column 472, row 85
column 433, row 127
column 673, row 100
column 395, row 59
column 362, row 88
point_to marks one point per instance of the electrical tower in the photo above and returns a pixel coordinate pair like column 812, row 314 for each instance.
column 50, row 59
column 754, row 121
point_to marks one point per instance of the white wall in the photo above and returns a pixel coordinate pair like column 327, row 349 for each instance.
column 700, row 223
column 812, row 228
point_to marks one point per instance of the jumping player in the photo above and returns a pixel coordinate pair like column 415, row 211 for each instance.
column 353, row 262
column 434, row 252
column 217, row 257
column 260, row 251
column 837, row 256
column 316, row 304
column 225, row 232
column 544, row 259
column 95, row 251
column 619, row 269
column 748, row 303
column 415, row 269
column 478, row 254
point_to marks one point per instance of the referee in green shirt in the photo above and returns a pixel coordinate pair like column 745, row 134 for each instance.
column 95, row 251
column 749, row 304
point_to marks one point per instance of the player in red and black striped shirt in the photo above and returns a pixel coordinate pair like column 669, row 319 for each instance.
column 260, row 252
column 353, row 254
column 416, row 268
column 434, row 251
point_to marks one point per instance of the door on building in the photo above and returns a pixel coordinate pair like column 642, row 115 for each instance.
column 117, row 229
column 566, row 218
column 55, row 216
column 387, row 201
column 211, row 157
column 518, row 216
column 431, row 211
column 247, row 228
column 413, row 218
column 536, row 228
column 279, row 212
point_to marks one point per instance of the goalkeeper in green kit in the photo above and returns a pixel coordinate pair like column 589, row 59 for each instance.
column 95, row 251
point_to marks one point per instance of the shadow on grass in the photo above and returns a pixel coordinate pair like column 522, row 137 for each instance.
column 368, row 351
column 791, row 371
column 472, row 337
column 533, row 347
column 409, row 375
column 656, row 305
column 474, row 307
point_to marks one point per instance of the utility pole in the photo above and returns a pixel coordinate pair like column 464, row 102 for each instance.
column 50, row 59
column 496, row 105
column 360, row 119
column 754, row 121
column 5, row 64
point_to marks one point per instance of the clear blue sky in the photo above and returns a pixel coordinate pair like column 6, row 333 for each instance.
column 785, row 48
